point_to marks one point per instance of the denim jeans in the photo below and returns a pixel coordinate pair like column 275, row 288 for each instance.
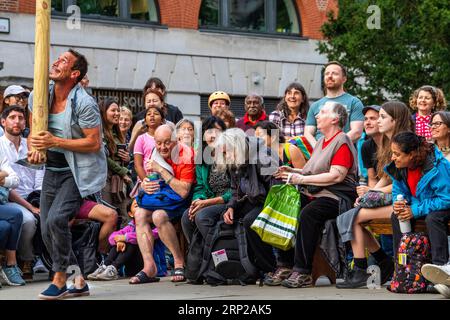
column 29, row 225
column 60, row 202
column 10, row 227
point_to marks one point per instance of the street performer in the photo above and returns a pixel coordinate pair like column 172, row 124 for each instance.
column 75, row 165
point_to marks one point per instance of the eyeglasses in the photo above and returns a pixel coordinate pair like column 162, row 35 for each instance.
column 435, row 124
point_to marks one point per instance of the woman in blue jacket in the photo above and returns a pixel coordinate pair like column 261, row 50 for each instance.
column 421, row 174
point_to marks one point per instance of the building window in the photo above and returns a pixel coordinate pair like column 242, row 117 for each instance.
column 132, row 10
column 266, row 16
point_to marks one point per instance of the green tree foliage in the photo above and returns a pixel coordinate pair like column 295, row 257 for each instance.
column 411, row 48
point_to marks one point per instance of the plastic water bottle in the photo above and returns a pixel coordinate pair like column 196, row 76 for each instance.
column 362, row 181
column 153, row 176
column 405, row 226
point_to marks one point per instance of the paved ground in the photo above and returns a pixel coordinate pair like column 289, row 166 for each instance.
column 165, row 290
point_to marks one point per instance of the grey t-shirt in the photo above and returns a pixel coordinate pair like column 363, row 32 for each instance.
column 353, row 105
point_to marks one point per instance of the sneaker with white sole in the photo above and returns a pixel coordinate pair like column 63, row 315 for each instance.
column 12, row 276
column 437, row 274
column 93, row 276
column 443, row 289
column 110, row 273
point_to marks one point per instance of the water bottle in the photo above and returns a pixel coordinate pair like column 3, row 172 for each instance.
column 405, row 226
column 362, row 181
column 153, row 176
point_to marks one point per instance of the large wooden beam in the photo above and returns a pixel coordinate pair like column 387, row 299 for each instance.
column 41, row 67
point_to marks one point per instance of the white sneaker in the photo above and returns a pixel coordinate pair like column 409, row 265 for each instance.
column 39, row 267
column 437, row 274
column 94, row 275
column 443, row 289
column 110, row 273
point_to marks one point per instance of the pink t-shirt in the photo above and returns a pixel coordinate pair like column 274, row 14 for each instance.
column 144, row 145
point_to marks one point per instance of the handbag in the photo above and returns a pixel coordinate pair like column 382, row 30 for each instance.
column 375, row 199
column 278, row 221
column 118, row 188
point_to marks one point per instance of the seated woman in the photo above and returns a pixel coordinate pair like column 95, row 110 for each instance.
column 117, row 159
column 421, row 174
column 125, row 121
column 440, row 131
column 212, row 190
column 394, row 118
column 250, row 166
column 329, row 182
column 291, row 156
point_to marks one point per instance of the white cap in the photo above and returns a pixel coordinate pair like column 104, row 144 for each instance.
column 13, row 90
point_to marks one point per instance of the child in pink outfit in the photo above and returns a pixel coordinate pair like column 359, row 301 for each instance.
column 124, row 251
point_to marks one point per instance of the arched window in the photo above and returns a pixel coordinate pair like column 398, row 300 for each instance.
column 267, row 16
column 133, row 10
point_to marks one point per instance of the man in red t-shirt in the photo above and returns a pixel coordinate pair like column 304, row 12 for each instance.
column 181, row 160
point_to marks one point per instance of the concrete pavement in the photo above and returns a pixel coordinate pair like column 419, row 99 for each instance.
column 166, row 290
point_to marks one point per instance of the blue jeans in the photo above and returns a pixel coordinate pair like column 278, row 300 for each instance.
column 60, row 202
column 10, row 227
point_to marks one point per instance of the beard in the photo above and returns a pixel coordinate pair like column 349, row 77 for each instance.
column 13, row 132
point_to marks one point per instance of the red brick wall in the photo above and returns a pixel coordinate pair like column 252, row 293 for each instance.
column 180, row 13
column 184, row 13
column 312, row 18
column 9, row 5
column 27, row 6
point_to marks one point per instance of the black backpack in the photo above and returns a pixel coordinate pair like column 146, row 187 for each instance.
column 413, row 252
column 84, row 245
column 231, row 241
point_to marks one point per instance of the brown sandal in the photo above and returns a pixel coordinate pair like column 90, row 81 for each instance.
column 275, row 278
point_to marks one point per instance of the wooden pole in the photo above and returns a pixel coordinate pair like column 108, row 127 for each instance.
column 41, row 66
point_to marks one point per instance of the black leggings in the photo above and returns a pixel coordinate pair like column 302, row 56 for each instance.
column 260, row 252
column 131, row 258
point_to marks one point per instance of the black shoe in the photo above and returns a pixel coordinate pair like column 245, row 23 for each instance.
column 357, row 278
column 387, row 269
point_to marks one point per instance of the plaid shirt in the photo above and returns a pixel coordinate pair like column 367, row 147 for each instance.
column 297, row 128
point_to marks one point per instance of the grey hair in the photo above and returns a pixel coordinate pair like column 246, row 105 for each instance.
column 233, row 139
column 182, row 121
column 259, row 97
column 338, row 111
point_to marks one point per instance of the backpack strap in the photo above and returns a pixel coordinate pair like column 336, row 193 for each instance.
column 209, row 241
column 243, row 255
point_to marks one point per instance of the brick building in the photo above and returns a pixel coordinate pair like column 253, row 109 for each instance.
column 194, row 46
